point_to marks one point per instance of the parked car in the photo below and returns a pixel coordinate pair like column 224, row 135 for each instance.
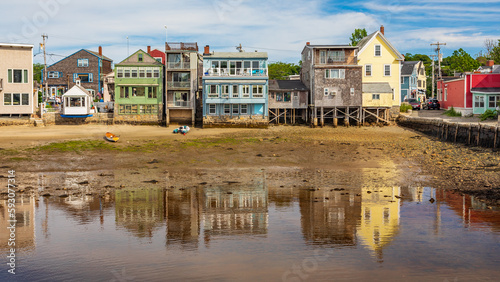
column 415, row 104
column 433, row 104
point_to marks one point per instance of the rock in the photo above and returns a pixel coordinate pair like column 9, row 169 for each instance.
column 63, row 196
column 151, row 181
column 83, row 183
column 369, row 192
column 202, row 183
column 153, row 161
column 259, row 155
column 46, row 195
column 432, row 200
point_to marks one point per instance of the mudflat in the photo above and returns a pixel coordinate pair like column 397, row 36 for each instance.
column 289, row 156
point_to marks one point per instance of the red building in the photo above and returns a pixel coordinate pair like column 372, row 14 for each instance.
column 474, row 93
column 157, row 54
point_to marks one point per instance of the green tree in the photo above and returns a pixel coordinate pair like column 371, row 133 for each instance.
column 357, row 35
column 461, row 61
column 495, row 53
column 280, row 70
column 37, row 72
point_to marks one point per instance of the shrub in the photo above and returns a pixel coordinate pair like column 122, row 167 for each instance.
column 452, row 113
column 404, row 108
column 489, row 114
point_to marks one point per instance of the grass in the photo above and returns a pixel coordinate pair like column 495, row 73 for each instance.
column 405, row 107
column 489, row 114
column 452, row 113
column 76, row 146
column 19, row 159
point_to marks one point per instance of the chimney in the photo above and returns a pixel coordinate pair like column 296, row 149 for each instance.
column 100, row 50
column 382, row 29
column 149, row 49
column 308, row 43
column 490, row 63
column 207, row 50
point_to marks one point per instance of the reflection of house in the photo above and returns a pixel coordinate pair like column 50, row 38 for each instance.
column 287, row 101
column 240, row 211
column 183, row 218
column 183, row 68
column 379, row 218
column 16, row 80
column 329, row 217
column 471, row 94
column 87, row 65
column 139, row 89
column 25, row 225
column 140, row 211
column 334, row 80
column 235, row 89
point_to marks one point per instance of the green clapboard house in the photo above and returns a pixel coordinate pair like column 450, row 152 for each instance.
column 139, row 89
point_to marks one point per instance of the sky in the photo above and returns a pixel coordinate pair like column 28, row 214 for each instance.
column 278, row 27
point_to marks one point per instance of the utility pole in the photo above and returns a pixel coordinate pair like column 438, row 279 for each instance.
column 440, row 56
column 45, row 36
column 433, row 75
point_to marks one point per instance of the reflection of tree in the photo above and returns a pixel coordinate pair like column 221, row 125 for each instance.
column 328, row 217
column 140, row 211
column 25, row 225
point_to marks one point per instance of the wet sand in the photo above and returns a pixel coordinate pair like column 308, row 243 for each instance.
column 289, row 155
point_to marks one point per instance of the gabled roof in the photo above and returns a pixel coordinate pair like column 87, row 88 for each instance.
column 363, row 43
column 376, row 87
column 88, row 51
column 99, row 56
column 153, row 61
column 76, row 90
column 287, row 85
column 344, row 46
column 408, row 67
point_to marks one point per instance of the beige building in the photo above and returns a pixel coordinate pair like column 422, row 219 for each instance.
column 16, row 80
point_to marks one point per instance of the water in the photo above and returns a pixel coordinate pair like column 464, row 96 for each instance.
column 234, row 232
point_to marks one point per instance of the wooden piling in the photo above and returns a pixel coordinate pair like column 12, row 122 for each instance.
column 495, row 139
column 456, row 134
column 478, row 135
column 470, row 134
column 335, row 122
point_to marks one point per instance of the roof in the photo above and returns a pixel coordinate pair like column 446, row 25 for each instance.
column 377, row 87
column 408, row 67
column 76, row 90
column 363, row 43
column 238, row 55
column 486, row 89
column 153, row 62
column 344, row 46
column 287, row 85
column 97, row 55
column 15, row 45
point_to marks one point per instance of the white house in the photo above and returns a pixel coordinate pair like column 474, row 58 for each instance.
column 77, row 102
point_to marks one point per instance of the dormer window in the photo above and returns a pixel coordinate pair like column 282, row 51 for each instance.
column 378, row 50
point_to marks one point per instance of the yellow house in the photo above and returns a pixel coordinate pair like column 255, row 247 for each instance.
column 381, row 64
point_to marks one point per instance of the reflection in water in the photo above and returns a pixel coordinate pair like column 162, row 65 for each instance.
column 25, row 223
column 183, row 219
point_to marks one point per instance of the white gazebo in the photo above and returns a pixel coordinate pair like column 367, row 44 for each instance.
column 76, row 102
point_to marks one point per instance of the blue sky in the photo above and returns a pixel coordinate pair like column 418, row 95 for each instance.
column 278, row 27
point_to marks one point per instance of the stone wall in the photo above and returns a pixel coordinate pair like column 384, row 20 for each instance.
column 466, row 133
column 56, row 119
column 6, row 121
column 137, row 119
column 256, row 121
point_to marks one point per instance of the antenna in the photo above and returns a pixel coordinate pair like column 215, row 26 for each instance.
column 240, row 48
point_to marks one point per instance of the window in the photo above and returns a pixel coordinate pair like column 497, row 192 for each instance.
column 393, row 95
column 159, row 59
column 244, row 109
column 126, row 72
column 142, row 72
column 258, row 91
column 7, row 99
column 227, row 109
column 17, row 76
column 84, row 77
column 140, row 57
column 446, row 94
column 335, row 56
column 479, row 101
column 53, row 74
column 236, row 93
column 133, row 72
column 156, row 72
column 25, row 101
column 279, row 97
column 402, row 80
column 287, row 97
column 322, row 57
column 16, row 99
column 138, row 91
column 492, row 101
column 119, row 72
column 225, row 91
column 124, row 92
column 246, row 91
column 83, row 62
column 91, row 91
column 213, row 91
column 368, row 70
column 352, row 92
column 378, row 50
column 236, row 109
column 387, row 70
column 149, row 72
column 420, row 83
column 151, row 92
column 335, row 73
column 375, row 96
column 212, row 109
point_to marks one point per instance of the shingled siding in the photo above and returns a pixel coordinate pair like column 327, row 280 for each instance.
column 342, row 86
column 69, row 66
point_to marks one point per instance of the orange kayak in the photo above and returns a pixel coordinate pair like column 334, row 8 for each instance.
column 111, row 137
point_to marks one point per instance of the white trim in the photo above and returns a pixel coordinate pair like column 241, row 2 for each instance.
column 399, row 57
column 371, row 70
column 375, row 50
column 390, row 70
column 16, row 45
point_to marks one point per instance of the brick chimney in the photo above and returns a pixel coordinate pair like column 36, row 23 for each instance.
column 149, row 49
column 490, row 63
column 207, row 50
column 308, row 43
column 382, row 30
column 100, row 50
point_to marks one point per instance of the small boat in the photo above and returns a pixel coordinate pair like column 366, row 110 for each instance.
column 111, row 137
column 182, row 129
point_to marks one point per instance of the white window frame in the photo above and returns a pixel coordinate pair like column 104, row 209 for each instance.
column 257, row 91
column 329, row 73
column 477, row 99
column 226, row 107
column 211, row 94
column 53, row 74
column 212, row 109
column 446, row 94
column 83, row 63
column 368, row 66
column 245, row 91
column 244, row 106
column 237, row 94
column 385, row 70
column 375, row 96
column 352, row 91
column 379, row 50
column 235, row 107
column 225, row 91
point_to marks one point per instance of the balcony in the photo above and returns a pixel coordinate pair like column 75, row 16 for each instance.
column 237, row 72
column 178, row 66
column 181, row 46
column 179, row 104
column 176, row 84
